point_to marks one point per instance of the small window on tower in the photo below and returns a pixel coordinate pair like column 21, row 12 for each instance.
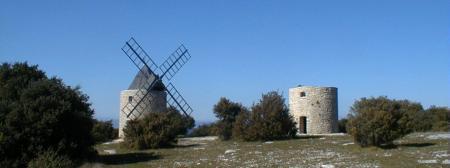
column 130, row 98
column 302, row 94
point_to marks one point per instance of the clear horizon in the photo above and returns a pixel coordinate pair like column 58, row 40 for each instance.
column 239, row 49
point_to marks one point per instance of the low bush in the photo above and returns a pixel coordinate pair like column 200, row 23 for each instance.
column 103, row 131
column 241, row 129
column 204, row 130
column 269, row 119
column 226, row 111
column 440, row 118
column 156, row 130
column 181, row 122
column 342, row 125
column 51, row 159
column 379, row 121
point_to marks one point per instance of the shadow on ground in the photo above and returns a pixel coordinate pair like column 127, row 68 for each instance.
column 184, row 146
column 126, row 158
column 179, row 146
column 308, row 137
column 417, row 145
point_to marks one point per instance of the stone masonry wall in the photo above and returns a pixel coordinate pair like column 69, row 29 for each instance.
column 319, row 105
column 158, row 104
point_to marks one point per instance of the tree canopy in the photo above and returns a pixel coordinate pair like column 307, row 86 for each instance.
column 38, row 114
column 156, row 129
column 379, row 121
column 227, row 111
column 269, row 119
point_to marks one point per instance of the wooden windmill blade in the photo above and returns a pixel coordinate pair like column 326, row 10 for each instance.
column 177, row 101
column 147, row 67
column 169, row 68
column 174, row 62
column 142, row 97
column 138, row 56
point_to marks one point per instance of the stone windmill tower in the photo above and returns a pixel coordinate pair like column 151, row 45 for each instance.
column 157, row 99
column 315, row 109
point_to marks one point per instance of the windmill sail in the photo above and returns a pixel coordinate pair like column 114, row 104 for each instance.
column 174, row 63
column 176, row 100
column 146, row 80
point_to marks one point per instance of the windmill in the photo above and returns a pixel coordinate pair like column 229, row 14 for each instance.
column 148, row 91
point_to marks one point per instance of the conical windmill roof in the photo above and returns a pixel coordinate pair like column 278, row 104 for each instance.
column 141, row 77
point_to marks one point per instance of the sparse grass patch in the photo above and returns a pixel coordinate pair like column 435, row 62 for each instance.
column 414, row 150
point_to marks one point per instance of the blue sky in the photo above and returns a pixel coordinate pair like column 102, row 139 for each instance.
column 240, row 49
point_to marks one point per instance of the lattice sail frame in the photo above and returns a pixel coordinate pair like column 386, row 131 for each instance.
column 168, row 69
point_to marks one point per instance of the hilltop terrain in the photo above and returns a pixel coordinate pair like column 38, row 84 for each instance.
column 414, row 150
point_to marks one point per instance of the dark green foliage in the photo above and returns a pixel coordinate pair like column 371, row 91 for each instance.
column 269, row 119
column 103, row 131
column 423, row 121
column 38, row 113
column 439, row 117
column 156, row 129
column 226, row 111
column 204, row 130
column 241, row 129
column 411, row 112
column 182, row 123
column 342, row 123
column 432, row 119
column 379, row 121
column 50, row 159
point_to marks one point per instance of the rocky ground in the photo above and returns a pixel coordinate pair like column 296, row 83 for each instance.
column 414, row 150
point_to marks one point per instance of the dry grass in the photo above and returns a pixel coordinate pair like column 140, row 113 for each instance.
column 415, row 150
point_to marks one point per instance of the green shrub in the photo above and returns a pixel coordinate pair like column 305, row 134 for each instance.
column 181, row 122
column 156, row 129
column 342, row 125
column 422, row 120
column 204, row 130
column 226, row 111
column 38, row 113
column 50, row 159
column 103, row 131
column 379, row 121
column 432, row 119
column 241, row 129
column 269, row 119
column 440, row 118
